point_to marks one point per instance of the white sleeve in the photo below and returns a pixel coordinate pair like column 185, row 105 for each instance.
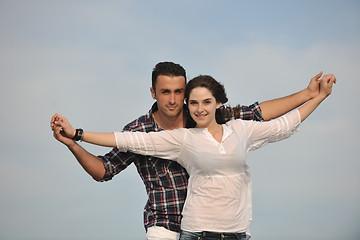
column 164, row 144
column 262, row 133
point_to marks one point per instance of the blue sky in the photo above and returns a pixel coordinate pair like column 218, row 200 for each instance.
column 92, row 60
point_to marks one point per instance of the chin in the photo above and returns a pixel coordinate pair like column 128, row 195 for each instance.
column 200, row 124
column 173, row 113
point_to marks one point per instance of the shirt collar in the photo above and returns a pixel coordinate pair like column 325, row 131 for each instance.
column 227, row 131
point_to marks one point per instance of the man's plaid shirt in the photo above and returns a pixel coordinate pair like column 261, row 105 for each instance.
column 165, row 181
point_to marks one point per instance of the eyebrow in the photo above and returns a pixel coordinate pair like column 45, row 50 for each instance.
column 167, row 89
column 207, row 99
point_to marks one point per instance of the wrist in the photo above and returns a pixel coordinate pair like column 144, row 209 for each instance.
column 78, row 134
column 71, row 144
column 73, row 135
column 319, row 98
column 310, row 94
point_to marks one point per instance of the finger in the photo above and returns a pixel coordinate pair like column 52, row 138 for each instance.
column 56, row 132
column 57, row 128
column 328, row 85
column 52, row 120
column 54, row 117
column 317, row 76
column 326, row 78
column 332, row 80
column 59, row 123
column 329, row 77
column 60, row 119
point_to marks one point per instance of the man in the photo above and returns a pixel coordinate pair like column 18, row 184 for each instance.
column 166, row 181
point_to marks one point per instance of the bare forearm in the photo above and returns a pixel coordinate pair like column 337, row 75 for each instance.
column 90, row 163
column 101, row 139
column 277, row 107
column 309, row 107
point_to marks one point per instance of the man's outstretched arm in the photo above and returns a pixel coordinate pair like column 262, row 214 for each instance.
column 91, row 164
column 275, row 108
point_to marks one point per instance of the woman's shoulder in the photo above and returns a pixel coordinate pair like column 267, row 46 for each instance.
column 235, row 122
column 240, row 123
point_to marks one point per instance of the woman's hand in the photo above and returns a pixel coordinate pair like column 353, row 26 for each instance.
column 326, row 84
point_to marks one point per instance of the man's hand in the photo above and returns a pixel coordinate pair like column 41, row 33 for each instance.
column 314, row 85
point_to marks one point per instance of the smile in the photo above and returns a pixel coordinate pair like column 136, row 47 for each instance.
column 200, row 115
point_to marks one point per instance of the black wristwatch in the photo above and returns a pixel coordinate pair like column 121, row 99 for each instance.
column 78, row 134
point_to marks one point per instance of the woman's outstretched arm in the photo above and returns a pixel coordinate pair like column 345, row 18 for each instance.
column 61, row 127
column 165, row 144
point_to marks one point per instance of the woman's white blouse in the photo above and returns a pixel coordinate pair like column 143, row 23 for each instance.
column 219, row 196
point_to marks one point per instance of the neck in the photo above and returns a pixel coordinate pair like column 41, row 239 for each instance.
column 170, row 123
column 216, row 131
column 214, row 128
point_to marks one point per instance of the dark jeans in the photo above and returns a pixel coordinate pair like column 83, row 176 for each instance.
column 185, row 235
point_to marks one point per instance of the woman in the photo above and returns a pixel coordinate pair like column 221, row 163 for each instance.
column 218, row 202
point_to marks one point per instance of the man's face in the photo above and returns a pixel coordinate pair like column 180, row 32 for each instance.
column 169, row 95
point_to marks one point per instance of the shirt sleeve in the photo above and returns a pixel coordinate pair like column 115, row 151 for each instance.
column 115, row 161
column 164, row 144
column 262, row 133
column 252, row 112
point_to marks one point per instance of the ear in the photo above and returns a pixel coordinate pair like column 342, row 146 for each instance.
column 153, row 93
column 218, row 105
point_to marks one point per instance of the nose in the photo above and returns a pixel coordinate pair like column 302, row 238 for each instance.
column 200, row 108
column 172, row 100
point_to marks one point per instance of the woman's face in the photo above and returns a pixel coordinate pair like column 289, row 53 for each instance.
column 202, row 107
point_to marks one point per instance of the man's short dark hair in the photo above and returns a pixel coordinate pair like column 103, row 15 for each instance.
column 169, row 69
